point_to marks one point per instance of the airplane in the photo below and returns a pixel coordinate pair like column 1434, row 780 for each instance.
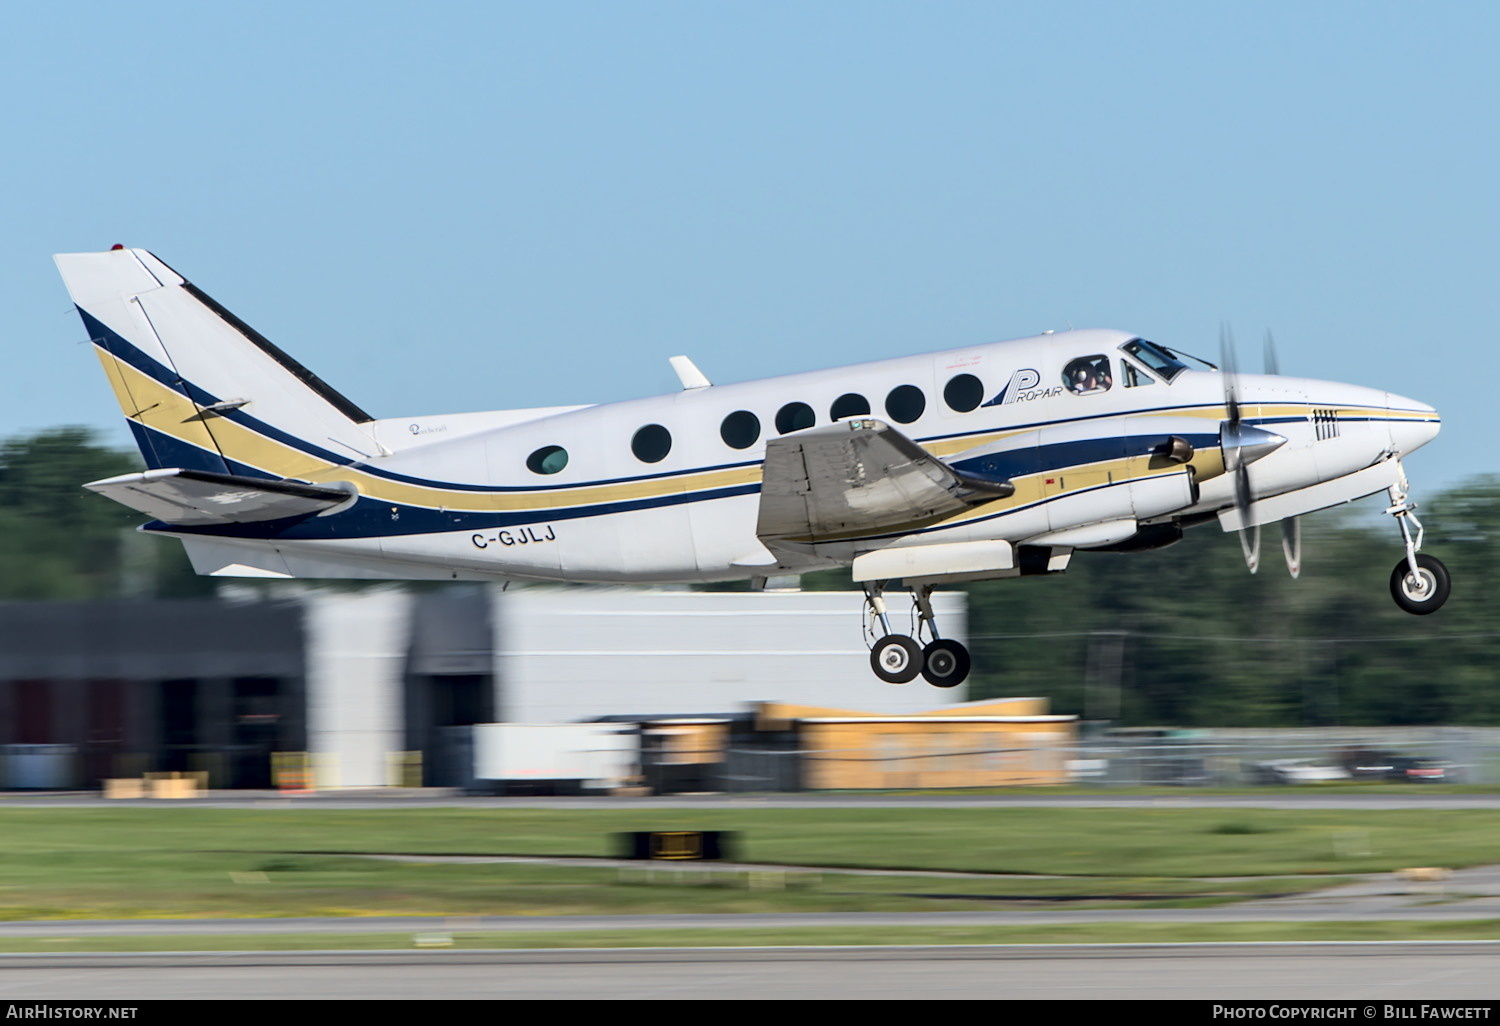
column 987, row 461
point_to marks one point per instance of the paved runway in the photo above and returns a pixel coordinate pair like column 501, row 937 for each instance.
column 1364, row 975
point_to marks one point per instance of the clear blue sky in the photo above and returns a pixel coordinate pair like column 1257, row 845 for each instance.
column 456, row 206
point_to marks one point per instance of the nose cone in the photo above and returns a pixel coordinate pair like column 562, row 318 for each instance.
column 1243, row 444
column 1413, row 424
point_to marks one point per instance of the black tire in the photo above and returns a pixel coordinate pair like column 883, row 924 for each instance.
column 896, row 659
column 1433, row 590
column 945, row 663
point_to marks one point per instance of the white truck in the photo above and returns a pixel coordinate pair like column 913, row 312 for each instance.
column 555, row 758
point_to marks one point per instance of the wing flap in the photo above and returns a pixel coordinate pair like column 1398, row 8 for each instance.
column 198, row 498
column 859, row 476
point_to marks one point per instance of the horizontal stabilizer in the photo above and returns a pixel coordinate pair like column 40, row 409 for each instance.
column 200, row 498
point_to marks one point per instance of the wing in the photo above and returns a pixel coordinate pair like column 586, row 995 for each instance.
column 198, row 498
column 856, row 477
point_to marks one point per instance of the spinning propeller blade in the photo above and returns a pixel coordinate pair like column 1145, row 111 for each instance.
column 1270, row 354
column 1231, row 436
column 1291, row 527
column 1291, row 545
column 1242, row 445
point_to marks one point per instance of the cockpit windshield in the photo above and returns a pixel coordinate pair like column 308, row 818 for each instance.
column 1158, row 358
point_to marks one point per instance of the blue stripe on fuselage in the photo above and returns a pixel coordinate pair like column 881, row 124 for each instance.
column 1010, row 464
column 374, row 518
column 163, row 450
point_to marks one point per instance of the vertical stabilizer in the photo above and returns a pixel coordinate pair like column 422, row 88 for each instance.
column 201, row 389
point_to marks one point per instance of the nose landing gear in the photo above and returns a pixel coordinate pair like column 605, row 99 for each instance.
column 898, row 658
column 1419, row 583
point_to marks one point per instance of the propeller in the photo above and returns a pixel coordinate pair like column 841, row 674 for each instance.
column 1242, row 445
column 1291, row 527
column 1291, row 545
column 1232, row 440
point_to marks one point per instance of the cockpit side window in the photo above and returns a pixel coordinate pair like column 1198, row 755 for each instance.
column 1159, row 360
column 1088, row 375
column 1134, row 376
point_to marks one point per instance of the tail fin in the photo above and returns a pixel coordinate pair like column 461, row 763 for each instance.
column 201, row 389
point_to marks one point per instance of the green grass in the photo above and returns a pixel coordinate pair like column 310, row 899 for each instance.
column 1111, row 791
column 180, row 861
column 168, row 885
column 1080, row 933
column 1156, row 842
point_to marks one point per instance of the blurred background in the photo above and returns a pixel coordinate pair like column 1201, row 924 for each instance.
column 1169, row 667
column 466, row 206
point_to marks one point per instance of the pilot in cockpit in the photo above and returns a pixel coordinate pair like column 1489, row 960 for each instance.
column 1088, row 375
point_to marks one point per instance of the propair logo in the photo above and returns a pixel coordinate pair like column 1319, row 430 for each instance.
column 1022, row 388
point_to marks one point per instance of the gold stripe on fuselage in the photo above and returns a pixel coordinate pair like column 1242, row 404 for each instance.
column 176, row 415
column 163, row 409
column 1032, row 489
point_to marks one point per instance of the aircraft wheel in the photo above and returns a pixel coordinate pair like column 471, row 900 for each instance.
column 1423, row 592
column 945, row 663
column 896, row 659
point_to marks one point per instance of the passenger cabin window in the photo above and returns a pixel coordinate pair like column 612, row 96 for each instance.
column 1135, row 376
column 905, row 403
column 740, row 430
column 651, row 443
column 549, row 459
column 1088, row 375
column 794, row 417
column 850, row 404
column 963, row 393
column 1156, row 358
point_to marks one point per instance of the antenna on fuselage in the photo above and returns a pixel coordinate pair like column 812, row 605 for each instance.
column 689, row 374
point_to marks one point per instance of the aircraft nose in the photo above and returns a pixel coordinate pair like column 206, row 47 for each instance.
column 1413, row 424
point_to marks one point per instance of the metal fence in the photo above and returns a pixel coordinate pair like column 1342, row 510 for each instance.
column 1208, row 758
column 1189, row 759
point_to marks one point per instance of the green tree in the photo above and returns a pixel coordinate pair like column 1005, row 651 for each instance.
column 60, row 541
column 1186, row 636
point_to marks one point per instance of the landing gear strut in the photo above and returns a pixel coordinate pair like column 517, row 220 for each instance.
column 898, row 658
column 1419, row 583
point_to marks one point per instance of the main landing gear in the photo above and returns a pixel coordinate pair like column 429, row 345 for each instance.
column 1419, row 583
column 898, row 658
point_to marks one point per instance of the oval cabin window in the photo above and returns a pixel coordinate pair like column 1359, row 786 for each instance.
column 549, row 459
column 850, row 404
column 651, row 443
column 740, row 430
column 905, row 403
column 964, row 392
column 794, row 417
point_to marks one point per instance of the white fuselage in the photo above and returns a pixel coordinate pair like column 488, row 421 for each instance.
column 474, row 496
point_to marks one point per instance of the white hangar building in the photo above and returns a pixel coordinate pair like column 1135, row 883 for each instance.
column 353, row 677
